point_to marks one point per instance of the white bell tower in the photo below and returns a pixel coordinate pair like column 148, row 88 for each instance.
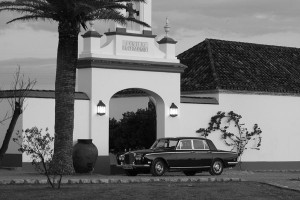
column 130, row 58
column 131, row 41
column 139, row 11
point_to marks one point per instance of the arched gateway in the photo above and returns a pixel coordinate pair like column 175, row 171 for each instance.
column 130, row 58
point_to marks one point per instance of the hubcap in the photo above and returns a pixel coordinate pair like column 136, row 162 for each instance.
column 159, row 168
column 217, row 167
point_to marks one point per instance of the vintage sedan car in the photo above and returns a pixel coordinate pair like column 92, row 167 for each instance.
column 188, row 154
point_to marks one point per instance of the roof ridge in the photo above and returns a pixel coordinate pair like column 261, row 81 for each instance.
column 251, row 43
column 212, row 64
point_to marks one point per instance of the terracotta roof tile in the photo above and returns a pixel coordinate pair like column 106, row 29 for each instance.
column 218, row 64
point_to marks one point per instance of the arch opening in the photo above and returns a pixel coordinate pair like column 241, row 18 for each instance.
column 136, row 120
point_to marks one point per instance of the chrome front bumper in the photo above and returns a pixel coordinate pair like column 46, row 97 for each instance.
column 132, row 166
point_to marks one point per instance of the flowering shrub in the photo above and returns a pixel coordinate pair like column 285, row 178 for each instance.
column 233, row 132
column 40, row 148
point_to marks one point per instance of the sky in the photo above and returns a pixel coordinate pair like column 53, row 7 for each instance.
column 33, row 45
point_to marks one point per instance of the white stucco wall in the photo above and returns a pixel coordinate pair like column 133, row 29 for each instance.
column 104, row 83
column 40, row 112
column 277, row 116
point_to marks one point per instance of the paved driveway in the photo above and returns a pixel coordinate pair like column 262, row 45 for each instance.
column 285, row 179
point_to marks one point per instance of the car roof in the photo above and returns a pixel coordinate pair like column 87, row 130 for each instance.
column 182, row 138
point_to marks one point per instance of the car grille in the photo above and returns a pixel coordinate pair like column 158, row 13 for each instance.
column 129, row 158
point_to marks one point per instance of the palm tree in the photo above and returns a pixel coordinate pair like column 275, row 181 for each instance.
column 70, row 15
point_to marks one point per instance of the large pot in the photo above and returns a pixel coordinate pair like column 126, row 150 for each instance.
column 85, row 154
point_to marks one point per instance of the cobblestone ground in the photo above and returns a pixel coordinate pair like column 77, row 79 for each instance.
column 284, row 179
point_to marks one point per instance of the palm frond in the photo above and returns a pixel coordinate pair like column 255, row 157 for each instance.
column 137, row 21
column 106, row 14
column 80, row 11
column 29, row 8
column 30, row 17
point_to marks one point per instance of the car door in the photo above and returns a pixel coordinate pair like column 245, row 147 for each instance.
column 202, row 153
column 182, row 157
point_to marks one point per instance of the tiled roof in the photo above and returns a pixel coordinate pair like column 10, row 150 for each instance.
column 167, row 40
column 217, row 64
column 92, row 34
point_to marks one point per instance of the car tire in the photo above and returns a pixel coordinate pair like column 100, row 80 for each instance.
column 131, row 172
column 189, row 173
column 216, row 167
column 158, row 167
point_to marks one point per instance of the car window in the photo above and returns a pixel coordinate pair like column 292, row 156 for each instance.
column 185, row 145
column 172, row 143
column 161, row 143
column 200, row 145
column 205, row 145
column 167, row 143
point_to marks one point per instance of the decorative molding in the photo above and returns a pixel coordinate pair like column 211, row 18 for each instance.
column 198, row 100
column 226, row 91
column 130, row 34
column 259, row 93
column 121, row 30
column 146, row 32
column 130, row 65
column 45, row 94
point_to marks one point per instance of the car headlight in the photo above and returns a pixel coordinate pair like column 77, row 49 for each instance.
column 138, row 157
column 121, row 157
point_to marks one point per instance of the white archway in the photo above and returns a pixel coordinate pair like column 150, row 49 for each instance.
column 128, row 59
column 100, row 83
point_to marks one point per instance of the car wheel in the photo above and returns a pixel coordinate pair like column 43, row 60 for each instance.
column 158, row 167
column 216, row 167
column 131, row 172
column 189, row 173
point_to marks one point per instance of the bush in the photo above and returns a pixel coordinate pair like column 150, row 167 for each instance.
column 233, row 132
column 40, row 148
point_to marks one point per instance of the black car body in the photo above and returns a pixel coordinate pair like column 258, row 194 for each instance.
column 188, row 154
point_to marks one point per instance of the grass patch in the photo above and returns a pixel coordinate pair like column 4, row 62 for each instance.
column 209, row 191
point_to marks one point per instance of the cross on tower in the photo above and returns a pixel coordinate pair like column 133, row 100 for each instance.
column 131, row 11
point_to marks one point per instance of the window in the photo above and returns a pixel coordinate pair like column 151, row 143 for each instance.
column 185, row 145
column 165, row 143
column 205, row 145
column 200, row 145
column 172, row 143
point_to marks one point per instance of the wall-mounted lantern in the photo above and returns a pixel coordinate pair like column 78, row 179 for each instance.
column 101, row 108
column 173, row 110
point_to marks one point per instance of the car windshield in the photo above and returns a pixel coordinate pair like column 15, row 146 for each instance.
column 165, row 143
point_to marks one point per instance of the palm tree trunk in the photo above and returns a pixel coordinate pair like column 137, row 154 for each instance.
column 67, row 55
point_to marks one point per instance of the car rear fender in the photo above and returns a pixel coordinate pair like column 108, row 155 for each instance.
column 220, row 159
column 225, row 157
